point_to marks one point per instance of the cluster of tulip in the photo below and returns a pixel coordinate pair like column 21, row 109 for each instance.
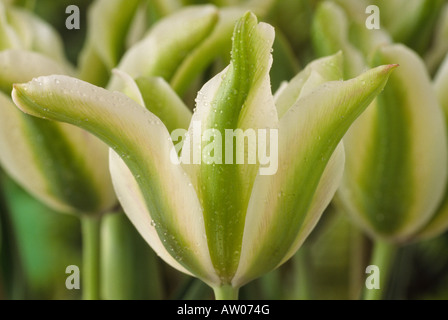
column 362, row 126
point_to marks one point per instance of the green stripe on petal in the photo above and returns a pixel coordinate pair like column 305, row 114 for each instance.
column 61, row 166
column 8, row 37
column 213, row 45
column 47, row 159
column 439, row 47
column 133, row 203
column 110, row 21
column 161, row 100
column 156, row 95
column 284, row 205
column 396, row 153
column 61, row 162
column 330, row 34
column 168, row 43
column 238, row 98
column 144, row 144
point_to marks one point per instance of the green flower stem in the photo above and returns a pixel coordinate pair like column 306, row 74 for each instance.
column 383, row 256
column 226, row 292
column 301, row 289
column 91, row 257
column 129, row 267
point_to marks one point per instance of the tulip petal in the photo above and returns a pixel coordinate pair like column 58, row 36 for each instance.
column 8, row 37
column 19, row 66
column 47, row 158
column 112, row 19
column 133, row 201
column 20, row 29
column 320, row 71
column 168, row 43
column 439, row 222
column 215, row 44
column 156, row 95
column 238, row 98
column 161, row 100
column 284, row 205
column 439, row 48
column 144, row 144
column 396, row 153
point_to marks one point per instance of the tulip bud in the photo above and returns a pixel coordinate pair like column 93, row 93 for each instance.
column 59, row 164
column 19, row 29
column 396, row 153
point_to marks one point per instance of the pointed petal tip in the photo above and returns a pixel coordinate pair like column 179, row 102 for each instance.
column 393, row 66
column 16, row 94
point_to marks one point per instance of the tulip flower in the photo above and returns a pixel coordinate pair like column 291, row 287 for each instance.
column 62, row 166
column 414, row 23
column 330, row 34
column 396, row 158
column 396, row 152
column 20, row 29
column 226, row 224
column 439, row 222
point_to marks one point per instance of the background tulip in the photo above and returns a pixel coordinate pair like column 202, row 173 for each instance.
column 395, row 173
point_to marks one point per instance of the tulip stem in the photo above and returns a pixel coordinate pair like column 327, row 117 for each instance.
column 91, row 257
column 226, row 292
column 383, row 257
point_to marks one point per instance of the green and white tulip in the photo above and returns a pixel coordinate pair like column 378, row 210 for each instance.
column 61, row 165
column 225, row 224
column 397, row 153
